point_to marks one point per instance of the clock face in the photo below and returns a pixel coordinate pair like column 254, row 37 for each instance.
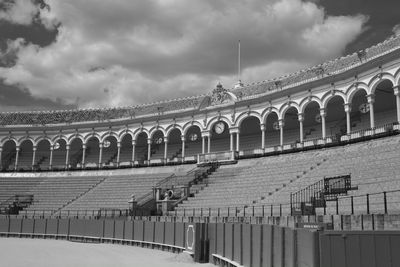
column 219, row 127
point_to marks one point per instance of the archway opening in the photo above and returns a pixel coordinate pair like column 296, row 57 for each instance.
column 385, row 108
column 193, row 141
column 312, row 128
column 8, row 155
column 291, row 129
column 75, row 153
column 25, row 155
column 272, row 130
column 174, row 145
column 141, row 148
column 92, row 152
column 359, row 117
column 125, row 156
column 110, row 151
column 250, row 134
column 59, row 154
column 335, row 120
column 220, row 138
column 157, row 145
column 42, row 158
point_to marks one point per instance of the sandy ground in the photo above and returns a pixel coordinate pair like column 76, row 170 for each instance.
column 15, row 252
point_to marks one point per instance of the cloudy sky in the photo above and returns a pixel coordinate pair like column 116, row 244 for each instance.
column 90, row 53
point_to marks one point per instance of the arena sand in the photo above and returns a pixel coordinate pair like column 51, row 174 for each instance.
column 15, row 252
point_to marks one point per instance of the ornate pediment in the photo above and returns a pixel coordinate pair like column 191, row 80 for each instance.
column 220, row 95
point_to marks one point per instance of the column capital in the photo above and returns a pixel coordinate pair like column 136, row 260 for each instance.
column 118, row 144
column 281, row 123
column 84, row 146
column 149, row 141
column 17, row 148
column 300, row 117
column 396, row 90
column 165, row 139
column 67, row 146
column 371, row 98
column 183, row 138
column 234, row 130
column 34, row 148
column 322, row 112
column 133, row 142
column 347, row 107
column 101, row 145
column 205, row 134
column 262, row 127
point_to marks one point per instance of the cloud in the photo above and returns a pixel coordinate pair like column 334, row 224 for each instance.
column 19, row 11
column 111, row 53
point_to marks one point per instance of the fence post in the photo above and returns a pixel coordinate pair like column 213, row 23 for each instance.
column 263, row 212
column 244, row 211
column 272, row 210
column 367, row 203
column 253, row 211
column 218, row 212
column 352, row 205
column 209, row 212
column 236, row 211
column 385, row 202
column 280, row 210
column 228, row 211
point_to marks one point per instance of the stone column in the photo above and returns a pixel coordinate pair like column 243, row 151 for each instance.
column 231, row 141
column 281, row 125
column 148, row 150
column 203, row 144
column 1, row 161
column 165, row 149
column 183, row 147
column 33, row 157
column 237, row 140
column 300, row 117
column 16, row 158
column 83, row 156
column 51, row 158
column 397, row 94
column 262, row 126
column 118, row 153
column 133, row 151
column 209, row 143
column 323, row 115
column 100, row 155
column 67, row 156
column 347, row 109
column 371, row 100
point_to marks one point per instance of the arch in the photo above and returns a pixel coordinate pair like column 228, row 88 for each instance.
column 42, row 159
column 171, row 128
column 57, row 138
column 108, row 134
column 267, row 112
column 25, row 138
column 73, row 137
column 155, row 129
column 8, row 154
column 138, row 131
column 90, row 136
column 124, row 133
column 397, row 77
column 245, row 115
column 377, row 79
column 190, row 124
column 217, row 119
column 308, row 100
column 353, row 89
column 285, row 107
column 42, row 138
column 329, row 95
column 8, row 138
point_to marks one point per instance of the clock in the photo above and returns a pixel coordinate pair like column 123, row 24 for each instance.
column 219, row 127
